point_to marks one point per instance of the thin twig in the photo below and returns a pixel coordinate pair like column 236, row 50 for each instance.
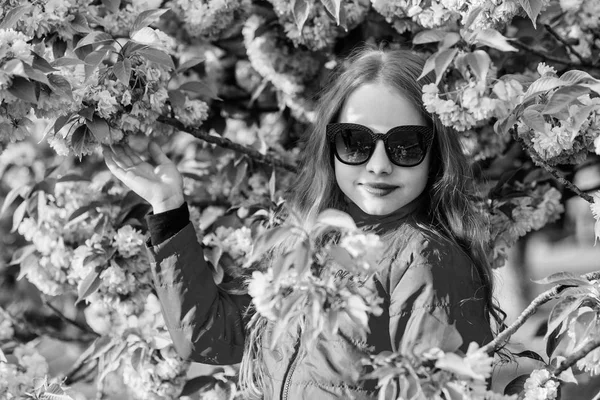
column 553, row 171
column 578, row 355
column 567, row 45
column 548, row 57
column 69, row 320
column 529, row 311
column 228, row 144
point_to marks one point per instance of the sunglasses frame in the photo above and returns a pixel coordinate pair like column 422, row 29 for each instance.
column 333, row 129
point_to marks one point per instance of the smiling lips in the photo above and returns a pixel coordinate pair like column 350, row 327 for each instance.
column 378, row 189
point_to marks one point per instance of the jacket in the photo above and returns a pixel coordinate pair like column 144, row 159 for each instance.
column 427, row 284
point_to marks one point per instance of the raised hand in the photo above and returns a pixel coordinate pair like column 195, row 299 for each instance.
column 161, row 184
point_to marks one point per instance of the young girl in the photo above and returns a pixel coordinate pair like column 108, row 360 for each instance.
column 376, row 154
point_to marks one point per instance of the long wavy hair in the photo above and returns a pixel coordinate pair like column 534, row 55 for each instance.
column 450, row 192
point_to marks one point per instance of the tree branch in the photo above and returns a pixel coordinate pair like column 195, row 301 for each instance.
column 567, row 45
column 529, row 311
column 540, row 161
column 578, row 355
column 548, row 57
column 228, row 144
column 69, row 320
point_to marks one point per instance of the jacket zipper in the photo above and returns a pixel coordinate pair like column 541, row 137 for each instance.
column 288, row 378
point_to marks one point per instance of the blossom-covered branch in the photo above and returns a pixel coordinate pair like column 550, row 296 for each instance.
column 576, row 356
column 540, row 161
column 548, row 57
column 228, row 144
column 530, row 310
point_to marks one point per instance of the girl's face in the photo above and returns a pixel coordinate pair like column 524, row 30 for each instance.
column 379, row 187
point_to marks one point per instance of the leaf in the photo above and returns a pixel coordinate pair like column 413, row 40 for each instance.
column 532, row 8
column 534, row 119
column 576, row 76
column 492, row 38
column 300, row 10
column 60, row 85
column 13, row 16
column 429, row 36
column 67, row 61
column 59, row 47
column 516, row 386
column 241, row 173
column 530, row 354
column 146, row 36
column 80, row 24
column 195, row 384
column 336, row 218
column 189, row 64
column 146, row 18
column 449, row 40
column 131, row 47
column 88, row 285
column 12, row 196
column 112, row 5
column 442, row 61
column 563, row 278
column 92, row 61
column 563, row 97
column 122, row 70
column 199, row 87
column 269, row 239
column 561, row 311
column 429, row 65
column 41, row 64
column 157, row 56
column 23, row 89
column 87, row 113
column 100, row 129
column 95, row 37
column 14, row 67
column 136, row 358
column 272, row 185
column 472, row 16
column 543, row 85
column 177, row 98
column 333, row 7
column 479, row 61
column 35, row 74
column 79, row 138
column 21, row 254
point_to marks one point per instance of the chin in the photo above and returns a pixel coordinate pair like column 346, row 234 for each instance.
column 375, row 209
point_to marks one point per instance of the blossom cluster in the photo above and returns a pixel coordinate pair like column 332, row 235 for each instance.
column 578, row 23
column 531, row 211
column 540, row 386
column 320, row 31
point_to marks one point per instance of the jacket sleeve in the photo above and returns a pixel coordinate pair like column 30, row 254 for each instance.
column 205, row 323
column 437, row 301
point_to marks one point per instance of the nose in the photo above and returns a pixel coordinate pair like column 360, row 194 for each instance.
column 379, row 163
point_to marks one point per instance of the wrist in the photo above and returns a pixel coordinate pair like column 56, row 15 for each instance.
column 167, row 205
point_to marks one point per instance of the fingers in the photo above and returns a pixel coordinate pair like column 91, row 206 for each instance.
column 157, row 154
column 135, row 159
column 111, row 162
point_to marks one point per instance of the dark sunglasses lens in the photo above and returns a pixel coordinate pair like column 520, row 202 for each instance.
column 406, row 148
column 353, row 146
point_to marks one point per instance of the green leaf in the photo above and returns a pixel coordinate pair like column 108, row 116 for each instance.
column 449, row 40
column 89, row 285
column 23, row 89
column 300, row 10
column 241, row 174
column 95, row 37
column 136, row 358
column 333, row 8
column 563, row 97
column 563, row 278
column 92, row 61
column 60, row 85
column 79, row 139
column 543, row 85
column 195, row 384
column 268, row 240
column 190, row 64
column 100, row 129
column 35, row 74
column 516, row 386
column 272, row 185
column 479, row 61
column 80, row 24
column 41, row 64
column 146, row 18
column 12, row 196
column 532, row 8
column 157, row 56
column 122, row 70
column 112, row 5
column 177, row 98
column 199, row 87
column 131, row 47
column 473, row 14
column 14, row 67
column 530, row 354
column 59, row 47
column 429, row 65
column 576, row 76
column 87, row 113
column 13, row 16
column 66, row 61
column 18, row 216
column 442, row 62
column 561, row 311
column 21, row 254
column 146, row 36
column 429, row 36
column 492, row 38
column 534, row 119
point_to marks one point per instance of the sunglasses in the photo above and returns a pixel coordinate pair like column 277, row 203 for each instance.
column 405, row 146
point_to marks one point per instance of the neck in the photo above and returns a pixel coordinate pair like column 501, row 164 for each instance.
column 383, row 223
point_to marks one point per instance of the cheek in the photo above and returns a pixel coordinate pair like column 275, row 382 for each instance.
column 344, row 175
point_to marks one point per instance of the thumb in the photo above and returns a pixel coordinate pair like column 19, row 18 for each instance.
column 157, row 154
